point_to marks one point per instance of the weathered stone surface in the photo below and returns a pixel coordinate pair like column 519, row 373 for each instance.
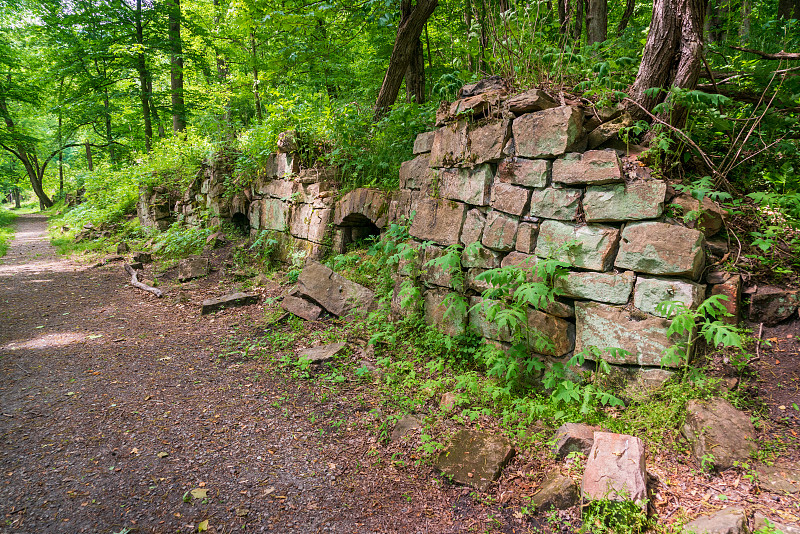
column 400, row 297
column 404, row 426
column 500, row 231
column 607, row 131
column 433, row 274
column 643, row 336
column 550, row 335
column 525, row 172
column 726, row 521
column 273, row 214
column 323, row 353
column 557, row 492
column 424, row 142
column 477, row 255
column 478, row 308
column 624, row 202
column 650, row 292
column 718, row 433
column 466, row 185
column 594, row 167
column 555, row 203
column 435, row 309
column 472, row 280
column 287, row 141
column 287, row 165
column 509, row 198
column 771, row 305
column 301, row 307
column 473, row 227
column 448, row 402
column 761, row 522
column 595, row 247
column 277, row 188
column 661, row 248
column 142, row 257
column 449, row 145
column 306, row 222
column 416, row 173
column 611, row 288
column 526, row 237
column 642, row 382
column 439, row 221
column 122, row 248
column 548, row 133
column 332, row 291
column 709, row 216
column 573, row 437
column 490, row 84
column 228, row 301
column 475, row 458
column 780, row 479
column 731, row 288
column 530, row 101
column 372, row 204
column 192, row 268
column 615, row 469
column 486, row 142
column 474, row 107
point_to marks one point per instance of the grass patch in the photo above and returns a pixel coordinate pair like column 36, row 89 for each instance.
column 6, row 232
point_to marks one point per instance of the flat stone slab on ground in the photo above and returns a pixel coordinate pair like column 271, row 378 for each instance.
column 779, row 479
column 726, row 521
column 719, row 432
column 573, row 437
column 191, row 268
column 332, row 291
column 615, row 469
column 323, row 353
column 404, row 426
column 475, row 458
column 760, row 522
column 557, row 491
column 771, row 305
column 228, row 301
column 301, row 307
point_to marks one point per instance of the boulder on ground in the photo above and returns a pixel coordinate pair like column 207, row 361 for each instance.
column 615, row 469
column 771, row 305
column 323, row 353
column 475, row 458
column 191, row 268
column 726, row 521
column 719, row 434
column 228, row 301
column 573, row 437
column 404, row 426
column 142, row 257
column 780, row 479
column 301, row 308
column 556, row 492
column 762, row 523
column 335, row 293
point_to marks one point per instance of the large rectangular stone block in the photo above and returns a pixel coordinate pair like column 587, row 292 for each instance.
column 548, row 133
column 477, row 255
column 473, row 227
column 424, row 142
column 590, row 246
column 274, row 214
column 643, row 336
column 524, row 172
column 549, row 335
column 593, row 167
column 436, row 313
column 486, row 142
column 450, row 145
column 469, row 185
column 650, row 292
column 612, row 288
column 500, row 231
column 661, row 248
column 306, row 222
column 416, row 173
column 556, row 203
column 439, row 221
column 509, row 198
column 624, row 202
column 526, row 237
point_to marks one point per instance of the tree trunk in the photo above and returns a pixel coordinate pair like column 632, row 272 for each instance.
column 577, row 19
column 141, row 66
column 672, row 56
column 597, row 21
column 256, row 94
column 405, row 45
column 109, row 134
column 563, row 16
column 60, row 140
column 468, row 24
column 415, row 72
column 626, row 16
column 717, row 21
column 176, row 67
column 17, row 198
column 744, row 28
column 89, row 161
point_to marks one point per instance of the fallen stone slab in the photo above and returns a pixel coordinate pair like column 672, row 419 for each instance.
column 726, row 521
column 530, row 101
column 762, row 523
column 191, row 268
column 475, row 458
column 335, row 293
column 615, row 469
column 557, row 492
column 710, row 217
column 719, row 434
column 229, row 301
column 771, row 305
column 142, row 257
column 404, row 426
column 779, row 479
column 301, row 308
column 323, row 353
column 573, row 437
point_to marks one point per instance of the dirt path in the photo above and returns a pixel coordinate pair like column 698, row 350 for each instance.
column 115, row 405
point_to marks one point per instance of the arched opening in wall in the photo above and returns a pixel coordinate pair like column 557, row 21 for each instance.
column 241, row 223
column 355, row 229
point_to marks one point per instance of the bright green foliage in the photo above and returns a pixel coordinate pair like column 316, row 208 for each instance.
column 615, row 517
column 6, row 233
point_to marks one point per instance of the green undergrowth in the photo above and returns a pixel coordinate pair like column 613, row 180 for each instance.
column 6, row 232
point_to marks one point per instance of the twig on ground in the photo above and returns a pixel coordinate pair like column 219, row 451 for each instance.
column 136, row 283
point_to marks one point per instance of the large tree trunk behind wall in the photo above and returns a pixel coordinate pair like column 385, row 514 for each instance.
column 630, row 5
column 415, row 73
column 597, row 21
column 176, row 67
column 672, row 56
column 141, row 67
column 405, row 45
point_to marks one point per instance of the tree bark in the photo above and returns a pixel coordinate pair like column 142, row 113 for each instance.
column 176, row 67
column 89, row 161
column 717, row 17
column 408, row 34
column 415, row 72
column 141, row 66
column 672, row 56
column 597, row 21
column 744, row 28
column 256, row 94
column 563, row 16
column 577, row 19
column 630, row 5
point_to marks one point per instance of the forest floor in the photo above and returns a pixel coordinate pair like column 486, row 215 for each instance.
column 120, row 413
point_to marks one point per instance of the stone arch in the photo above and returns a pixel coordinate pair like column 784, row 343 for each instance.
column 361, row 213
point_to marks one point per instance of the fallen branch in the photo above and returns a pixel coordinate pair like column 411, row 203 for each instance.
column 106, row 261
column 767, row 55
column 136, row 283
